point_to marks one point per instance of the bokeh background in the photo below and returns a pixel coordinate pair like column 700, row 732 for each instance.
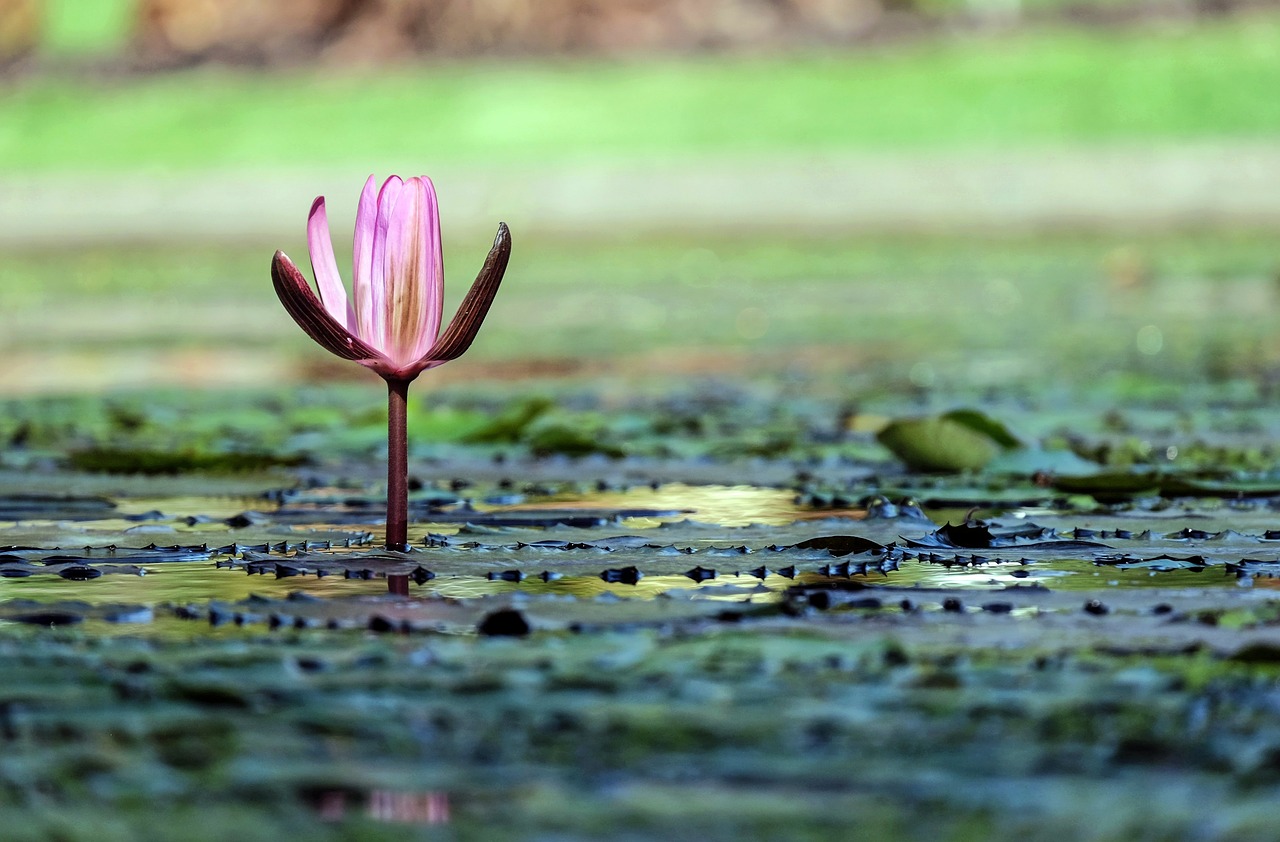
column 929, row 192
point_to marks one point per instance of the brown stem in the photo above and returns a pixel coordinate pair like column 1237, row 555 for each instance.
column 397, row 465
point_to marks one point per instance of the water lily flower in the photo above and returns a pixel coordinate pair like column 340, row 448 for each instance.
column 391, row 321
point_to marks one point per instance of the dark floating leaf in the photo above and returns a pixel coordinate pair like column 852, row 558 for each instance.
column 1096, row 608
column 506, row 622
column 624, row 576
column 288, row 547
column 1110, row 487
column 963, row 536
column 978, row 535
column 622, row 541
column 154, row 514
column 843, row 570
column 47, row 617
column 379, row 623
column 970, row 536
column 1160, row 562
column 727, row 551
column 79, row 572
column 1261, row 652
column 245, row 519
column 840, row 545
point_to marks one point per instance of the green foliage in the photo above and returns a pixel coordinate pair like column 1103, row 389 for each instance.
column 111, row 460
column 572, row 436
column 80, row 27
column 1040, row 87
column 445, row 424
column 508, row 427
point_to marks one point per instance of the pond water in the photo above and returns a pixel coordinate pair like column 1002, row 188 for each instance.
column 188, row 565
column 694, row 596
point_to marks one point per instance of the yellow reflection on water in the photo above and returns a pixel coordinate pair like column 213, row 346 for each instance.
column 736, row 588
column 182, row 582
column 724, row 505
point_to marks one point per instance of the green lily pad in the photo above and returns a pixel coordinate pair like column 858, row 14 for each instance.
column 1111, row 486
column 1192, row 487
column 940, row 444
column 510, row 425
column 980, row 422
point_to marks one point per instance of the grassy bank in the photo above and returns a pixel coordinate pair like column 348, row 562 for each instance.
column 1039, row 87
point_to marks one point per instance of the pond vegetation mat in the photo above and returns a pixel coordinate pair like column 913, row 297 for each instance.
column 730, row 613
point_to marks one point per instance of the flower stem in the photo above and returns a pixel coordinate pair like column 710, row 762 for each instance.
column 397, row 465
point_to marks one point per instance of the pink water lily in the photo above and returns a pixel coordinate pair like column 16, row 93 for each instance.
column 391, row 321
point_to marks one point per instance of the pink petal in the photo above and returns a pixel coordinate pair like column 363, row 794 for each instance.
column 362, row 258
column 325, row 267
column 434, row 280
column 412, row 274
column 462, row 330
column 376, row 332
column 301, row 303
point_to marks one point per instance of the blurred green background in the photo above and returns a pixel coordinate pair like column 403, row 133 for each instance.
column 937, row 193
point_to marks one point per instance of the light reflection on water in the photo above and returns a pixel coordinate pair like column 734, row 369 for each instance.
column 200, row 582
column 737, row 587
column 180, row 583
column 214, row 508
column 723, row 505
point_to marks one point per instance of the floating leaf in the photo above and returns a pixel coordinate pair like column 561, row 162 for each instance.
column 840, row 545
column 939, row 444
column 982, row 423
column 508, row 427
column 1111, row 486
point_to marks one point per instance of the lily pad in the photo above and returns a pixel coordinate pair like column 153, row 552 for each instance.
column 942, row 444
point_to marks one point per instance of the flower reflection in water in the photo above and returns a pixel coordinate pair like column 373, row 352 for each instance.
column 386, row 805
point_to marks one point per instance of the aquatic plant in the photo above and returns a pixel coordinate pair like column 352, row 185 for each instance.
column 391, row 322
